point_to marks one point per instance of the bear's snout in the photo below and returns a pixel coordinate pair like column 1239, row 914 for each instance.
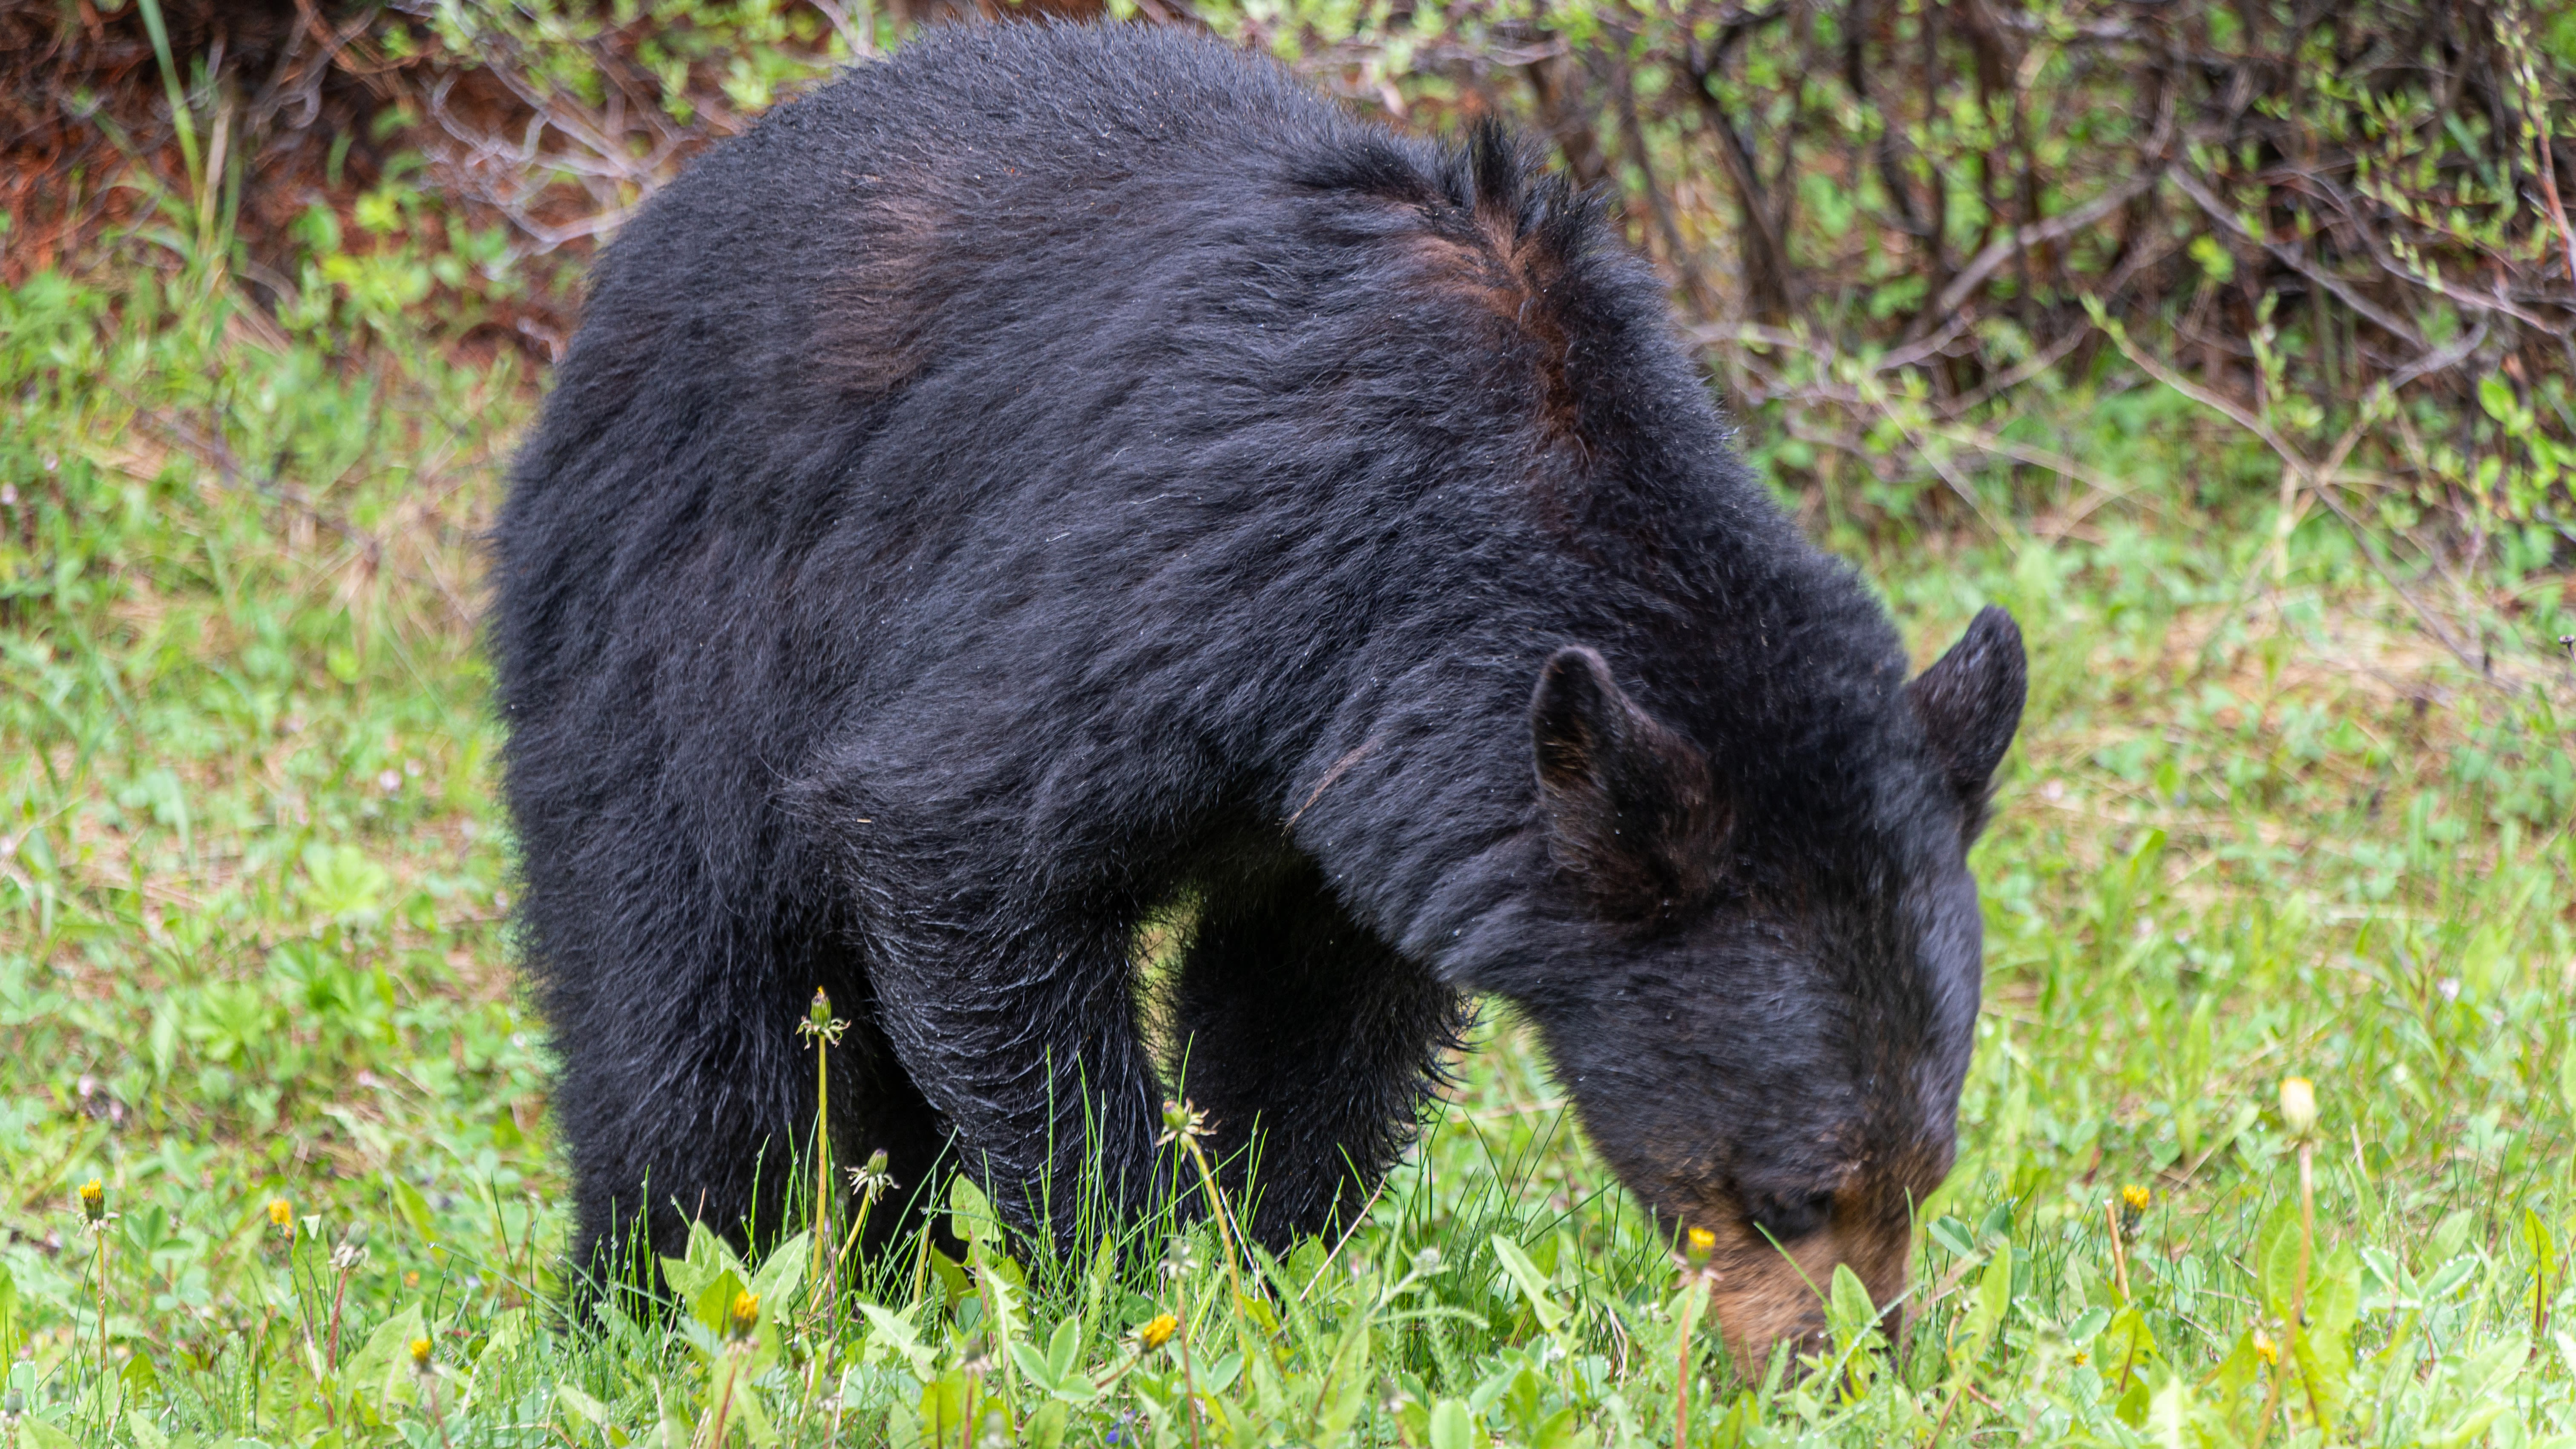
column 1766, row 1293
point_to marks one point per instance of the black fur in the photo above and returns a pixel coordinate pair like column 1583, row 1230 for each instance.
column 1054, row 473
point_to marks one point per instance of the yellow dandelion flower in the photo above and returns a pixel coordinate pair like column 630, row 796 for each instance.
column 420, row 1349
column 93, row 1200
column 2266, row 1350
column 2082, row 1358
column 1158, row 1332
column 745, row 1315
column 2135, row 1198
column 1699, row 1244
column 281, row 1214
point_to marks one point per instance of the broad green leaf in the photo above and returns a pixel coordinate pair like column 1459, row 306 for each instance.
column 970, row 1213
column 1003, row 1308
column 1852, row 1314
column 1561, row 1430
column 1453, row 1427
column 1986, row 1311
column 783, row 1271
column 591, row 1411
column 2542, row 1243
column 945, row 1402
column 35, row 1433
column 951, row 1274
column 2276, row 1255
column 2448, row 1279
column 1064, row 1347
column 413, row 1207
column 1347, row 1380
column 1532, row 1283
column 708, row 1256
column 1220, row 1375
column 746, row 1413
column 713, row 1304
column 894, row 1331
column 380, row 1374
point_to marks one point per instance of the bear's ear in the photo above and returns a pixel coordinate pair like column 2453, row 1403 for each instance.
column 1633, row 815
column 1970, row 704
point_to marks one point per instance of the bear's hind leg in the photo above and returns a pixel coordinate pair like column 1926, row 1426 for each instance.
column 1308, row 1041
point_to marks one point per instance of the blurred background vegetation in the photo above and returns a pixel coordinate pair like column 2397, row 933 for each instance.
column 2326, row 243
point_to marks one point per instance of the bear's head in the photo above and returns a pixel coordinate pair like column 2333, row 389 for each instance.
column 1762, row 974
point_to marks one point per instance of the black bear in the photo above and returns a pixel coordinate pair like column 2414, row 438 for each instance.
column 1058, row 473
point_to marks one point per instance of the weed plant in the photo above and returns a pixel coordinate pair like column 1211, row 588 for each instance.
column 275, row 1165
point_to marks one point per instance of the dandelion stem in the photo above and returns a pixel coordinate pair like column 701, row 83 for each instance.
column 825, row 1029
column 724, row 1402
column 1682, row 1360
column 2119, row 1252
column 1224, row 1221
column 2299, row 1283
column 1189, row 1384
column 437, row 1419
column 104, row 1377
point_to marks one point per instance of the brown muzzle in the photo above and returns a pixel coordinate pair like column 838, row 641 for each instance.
column 1767, row 1293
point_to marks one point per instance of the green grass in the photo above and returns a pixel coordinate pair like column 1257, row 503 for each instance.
column 253, row 880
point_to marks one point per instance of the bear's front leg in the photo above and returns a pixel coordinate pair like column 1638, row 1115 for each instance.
column 1025, row 1038
column 1310, row 1043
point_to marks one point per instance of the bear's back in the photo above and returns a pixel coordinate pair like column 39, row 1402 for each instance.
column 819, row 248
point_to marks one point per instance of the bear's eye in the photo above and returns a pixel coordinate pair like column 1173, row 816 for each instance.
column 1789, row 1216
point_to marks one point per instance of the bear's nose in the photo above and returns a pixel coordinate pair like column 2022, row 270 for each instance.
column 1788, row 1217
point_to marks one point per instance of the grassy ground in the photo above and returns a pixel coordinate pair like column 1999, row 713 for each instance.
column 254, row 983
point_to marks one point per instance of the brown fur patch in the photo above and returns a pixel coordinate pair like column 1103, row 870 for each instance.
column 1510, row 276
column 876, row 315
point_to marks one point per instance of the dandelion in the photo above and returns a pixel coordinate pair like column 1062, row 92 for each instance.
column 420, row 1355
column 1158, row 1331
column 745, row 1316
column 1427, row 1261
column 872, row 1181
column 2082, row 1358
column 1698, row 1246
column 2266, row 1350
column 2298, row 1105
column 2124, row 1221
column 1182, row 1123
column 94, row 1218
column 819, row 1020
column 281, row 1215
